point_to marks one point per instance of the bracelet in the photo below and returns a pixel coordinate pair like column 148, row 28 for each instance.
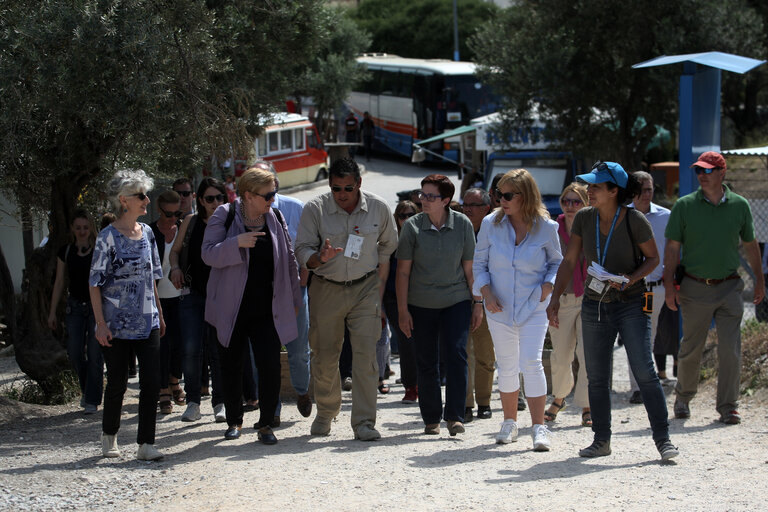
column 101, row 323
column 477, row 301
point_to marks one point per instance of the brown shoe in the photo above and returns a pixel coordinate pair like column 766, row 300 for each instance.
column 432, row 429
column 166, row 406
column 455, row 427
column 304, row 405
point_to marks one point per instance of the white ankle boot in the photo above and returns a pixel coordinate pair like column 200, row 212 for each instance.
column 148, row 452
column 109, row 446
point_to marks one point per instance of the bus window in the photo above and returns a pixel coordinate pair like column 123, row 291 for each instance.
column 261, row 145
column 312, row 141
column 273, row 142
column 390, row 84
column 298, row 138
column 285, row 140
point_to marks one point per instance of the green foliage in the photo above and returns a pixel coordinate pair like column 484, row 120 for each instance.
column 571, row 63
column 421, row 28
column 30, row 392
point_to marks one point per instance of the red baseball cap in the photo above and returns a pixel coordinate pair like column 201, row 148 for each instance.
column 709, row 160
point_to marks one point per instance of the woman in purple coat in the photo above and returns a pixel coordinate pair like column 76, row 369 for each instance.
column 253, row 294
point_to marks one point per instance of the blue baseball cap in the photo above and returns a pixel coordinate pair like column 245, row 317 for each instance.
column 603, row 172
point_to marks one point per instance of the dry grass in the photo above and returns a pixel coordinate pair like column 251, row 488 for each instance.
column 754, row 360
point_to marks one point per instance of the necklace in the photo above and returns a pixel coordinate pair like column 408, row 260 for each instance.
column 257, row 222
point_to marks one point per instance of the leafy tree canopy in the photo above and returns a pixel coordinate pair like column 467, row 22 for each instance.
column 421, row 28
column 571, row 62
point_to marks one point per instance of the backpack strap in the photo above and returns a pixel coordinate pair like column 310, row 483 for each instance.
column 638, row 257
column 230, row 217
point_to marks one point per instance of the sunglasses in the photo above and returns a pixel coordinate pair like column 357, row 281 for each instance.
column 268, row 196
column 217, row 197
column 507, row 196
column 168, row 215
column 348, row 188
column 602, row 166
column 141, row 195
column 184, row 193
column 703, row 170
column 403, row 216
column 429, row 197
column 572, row 202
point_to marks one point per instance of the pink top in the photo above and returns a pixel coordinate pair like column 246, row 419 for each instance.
column 580, row 274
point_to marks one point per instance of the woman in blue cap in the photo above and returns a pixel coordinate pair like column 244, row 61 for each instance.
column 620, row 240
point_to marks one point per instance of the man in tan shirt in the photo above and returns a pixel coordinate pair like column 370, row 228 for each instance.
column 345, row 238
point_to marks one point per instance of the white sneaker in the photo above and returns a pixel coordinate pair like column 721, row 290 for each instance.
column 508, row 432
column 192, row 413
column 148, row 452
column 219, row 413
column 540, row 436
column 109, row 446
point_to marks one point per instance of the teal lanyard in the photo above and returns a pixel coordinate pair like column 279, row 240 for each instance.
column 601, row 257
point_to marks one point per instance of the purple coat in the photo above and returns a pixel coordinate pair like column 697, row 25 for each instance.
column 229, row 273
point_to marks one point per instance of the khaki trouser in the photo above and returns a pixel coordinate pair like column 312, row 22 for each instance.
column 567, row 340
column 699, row 304
column 331, row 306
column 481, row 362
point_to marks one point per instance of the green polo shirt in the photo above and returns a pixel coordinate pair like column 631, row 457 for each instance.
column 710, row 233
column 437, row 276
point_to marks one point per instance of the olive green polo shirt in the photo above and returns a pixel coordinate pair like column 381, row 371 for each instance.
column 710, row 233
column 437, row 276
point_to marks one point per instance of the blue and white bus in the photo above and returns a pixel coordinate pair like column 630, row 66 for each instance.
column 415, row 99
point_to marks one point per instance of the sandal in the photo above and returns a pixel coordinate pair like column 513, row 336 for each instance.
column 586, row 419
column 166, row 407
column 178, row 394
column 549, row 415
column 383, row 388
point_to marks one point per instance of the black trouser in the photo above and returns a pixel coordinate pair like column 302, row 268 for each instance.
column 345, row 358
column 116, row 358
column 266, row 353
column 408, row 367
column 171, row 353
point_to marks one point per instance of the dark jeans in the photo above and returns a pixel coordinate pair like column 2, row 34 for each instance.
column 116, row 357
column 192, row 327
column 437, row 331
column 170, row 345
column 265, row 344
column 628, row 320
column 83, row 350
column 345, row 359
column 408, row 368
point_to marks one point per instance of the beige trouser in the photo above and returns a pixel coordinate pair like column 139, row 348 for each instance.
column 480, row 364
column 331, row 306
column 566, row 341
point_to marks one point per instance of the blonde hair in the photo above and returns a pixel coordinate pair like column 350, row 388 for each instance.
column 253, row 179
column 578, row 189
column 523, row 183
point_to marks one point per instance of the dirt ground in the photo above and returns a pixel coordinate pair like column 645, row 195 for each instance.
column 50, row 460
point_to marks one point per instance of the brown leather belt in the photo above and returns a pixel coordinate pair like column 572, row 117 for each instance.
column 711, row 282
column 348, row 283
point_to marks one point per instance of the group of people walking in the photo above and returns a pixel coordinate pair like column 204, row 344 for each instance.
column 498, row 278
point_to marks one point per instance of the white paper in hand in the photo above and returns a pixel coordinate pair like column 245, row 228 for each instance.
column 598, row 272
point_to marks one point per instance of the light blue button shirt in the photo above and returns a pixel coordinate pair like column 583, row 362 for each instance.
column 291, row 209
column 516, row 272
column 658, row 216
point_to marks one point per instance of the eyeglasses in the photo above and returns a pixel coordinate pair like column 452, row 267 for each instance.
column 338, row 188
column 403, row 216
column 216, row 197
column 184, row 193
column 474, row 205
column 602, row 166
column 141, row 195
column 571, row 202
column 168, row 215
column 703, row 170
column 268, row 196
column 429, row 197
column 507, row 196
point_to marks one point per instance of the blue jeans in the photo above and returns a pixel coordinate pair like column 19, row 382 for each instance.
column 436, row 333
column 298, row 349
column 84, row 351
column 194, row 332
column 600, row 323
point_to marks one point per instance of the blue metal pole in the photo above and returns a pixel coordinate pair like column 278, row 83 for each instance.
column 686, row 128
column 455, row 33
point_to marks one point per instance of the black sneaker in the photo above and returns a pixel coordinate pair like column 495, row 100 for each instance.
column 681, row 409
column 484, row 412
column 596, row 449
column 521, row 403
column 667, row 450
column 636, row 398
column 467, row 415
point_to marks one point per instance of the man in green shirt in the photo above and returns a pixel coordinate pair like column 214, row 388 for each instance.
column 708, row 225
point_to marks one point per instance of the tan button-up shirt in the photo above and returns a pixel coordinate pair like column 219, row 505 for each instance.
column 323, row 218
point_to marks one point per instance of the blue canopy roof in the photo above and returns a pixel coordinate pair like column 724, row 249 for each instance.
column 719, row 60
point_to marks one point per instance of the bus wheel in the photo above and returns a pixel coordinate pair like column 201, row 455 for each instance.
column 322, row 174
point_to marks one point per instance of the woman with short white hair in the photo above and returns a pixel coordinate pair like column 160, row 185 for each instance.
column 127, row 309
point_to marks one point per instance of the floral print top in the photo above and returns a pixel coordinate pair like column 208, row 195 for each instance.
column 125, row 271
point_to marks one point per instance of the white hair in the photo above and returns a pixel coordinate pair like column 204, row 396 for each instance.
column 125, row 183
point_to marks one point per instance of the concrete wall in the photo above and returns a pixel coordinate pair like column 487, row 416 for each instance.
column 11, row 240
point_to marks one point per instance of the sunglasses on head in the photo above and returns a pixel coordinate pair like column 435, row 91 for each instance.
column 168, row 215
column 703, row 170
column 572, row 202
column 268, row 196
column 141, row 195
column 602, row 166
column 216, row 197
column 403, row 216
column 184, row 193
column 507, row 196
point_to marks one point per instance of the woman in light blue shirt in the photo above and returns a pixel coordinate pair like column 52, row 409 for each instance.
column 515, row 264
